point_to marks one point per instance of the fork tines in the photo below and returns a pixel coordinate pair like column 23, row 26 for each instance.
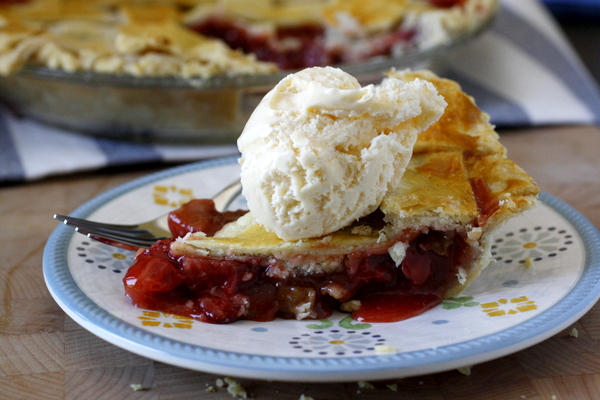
column 111, row 233
column 115, row 239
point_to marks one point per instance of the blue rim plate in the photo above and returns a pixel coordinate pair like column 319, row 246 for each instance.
column 546, row 276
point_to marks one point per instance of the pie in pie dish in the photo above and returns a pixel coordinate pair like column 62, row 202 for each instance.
column 428, row 240
column 203, row 38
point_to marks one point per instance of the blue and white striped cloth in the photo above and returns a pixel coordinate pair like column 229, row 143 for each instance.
column 523, row 72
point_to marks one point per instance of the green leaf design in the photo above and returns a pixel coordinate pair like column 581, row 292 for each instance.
column 464, row 299
column 450, row 305
column 325, row 323
column 456, row 302
column 346, row 323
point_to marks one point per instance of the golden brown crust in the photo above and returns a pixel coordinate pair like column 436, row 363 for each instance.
column 432, row 194
column 462, row 146
column 463, row 126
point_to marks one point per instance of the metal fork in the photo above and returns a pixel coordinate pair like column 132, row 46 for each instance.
column 143, row 235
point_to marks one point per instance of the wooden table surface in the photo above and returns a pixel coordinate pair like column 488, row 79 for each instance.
column 45, row 355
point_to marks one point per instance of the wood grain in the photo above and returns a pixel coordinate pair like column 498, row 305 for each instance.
column 45, row 355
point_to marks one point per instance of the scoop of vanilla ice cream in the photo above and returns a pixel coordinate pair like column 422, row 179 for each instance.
column 320, row 151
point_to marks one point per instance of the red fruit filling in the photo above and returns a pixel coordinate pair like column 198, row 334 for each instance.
column 447, row 3
column 294, row 47
column 229, row 289
column 200, row 215
column 487, row 202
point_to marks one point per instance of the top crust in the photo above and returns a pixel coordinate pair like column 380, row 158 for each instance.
column 463, row 126
column 462, row 146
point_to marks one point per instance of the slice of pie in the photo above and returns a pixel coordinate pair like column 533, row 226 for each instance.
column 428, row 240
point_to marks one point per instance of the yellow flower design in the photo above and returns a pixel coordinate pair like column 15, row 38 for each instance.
column 509, row 307
column 171, row 195
column 155, row 318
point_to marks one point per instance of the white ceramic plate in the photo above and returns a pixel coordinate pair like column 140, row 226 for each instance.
column 547, row 275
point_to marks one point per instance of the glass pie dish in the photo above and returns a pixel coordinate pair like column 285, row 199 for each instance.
column 173, row 109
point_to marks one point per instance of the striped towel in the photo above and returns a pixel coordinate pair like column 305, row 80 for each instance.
column 523, row 72
column 583, row 9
